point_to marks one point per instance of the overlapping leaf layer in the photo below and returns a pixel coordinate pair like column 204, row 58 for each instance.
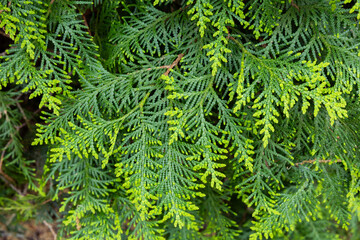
column 219, row 119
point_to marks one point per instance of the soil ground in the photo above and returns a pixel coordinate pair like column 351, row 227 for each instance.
column 31, row 230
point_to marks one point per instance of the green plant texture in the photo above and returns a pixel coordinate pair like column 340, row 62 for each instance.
column 182, row 119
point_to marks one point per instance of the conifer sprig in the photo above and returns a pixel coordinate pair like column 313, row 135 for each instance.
column 180, row 119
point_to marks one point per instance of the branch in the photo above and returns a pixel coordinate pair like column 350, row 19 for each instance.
column 85, row 22
column 23, row 114
column 320, row 161
column 11, row 185
column 175, row 63
column 51, row 229
column 294, row 5
column 4, row 52
column 6, row 178
column 4, row 34
column 9, row 180
column 168, row 67
column 49, row 8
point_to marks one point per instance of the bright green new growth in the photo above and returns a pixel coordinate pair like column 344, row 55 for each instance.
column 161, row 113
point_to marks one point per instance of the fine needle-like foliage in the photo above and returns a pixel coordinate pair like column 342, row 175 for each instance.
column 187, row 119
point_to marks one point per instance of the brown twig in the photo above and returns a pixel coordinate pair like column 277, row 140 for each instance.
column 86, row 23
column 7, row 177
column 5, row 35
column 266, row 163
column 10, row 219
column 46, row 201
column 4, row 52
column 11, row 185
column 51, row 229
column 23, row 114
column 169, row 67
column 175, row 63
column 232, row 38
column 49, row 9
column 59, row 194
column 25, row 189
column 21, row 126
column 161, row 67
column 294, row 5
column 37, row 111
column 320, row 161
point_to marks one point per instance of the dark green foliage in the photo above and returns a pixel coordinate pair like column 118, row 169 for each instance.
column 199, row 119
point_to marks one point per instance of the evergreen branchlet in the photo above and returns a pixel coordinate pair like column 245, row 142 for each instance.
column 197, row 119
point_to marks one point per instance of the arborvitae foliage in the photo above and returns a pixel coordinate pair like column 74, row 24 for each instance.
column 185, row 119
